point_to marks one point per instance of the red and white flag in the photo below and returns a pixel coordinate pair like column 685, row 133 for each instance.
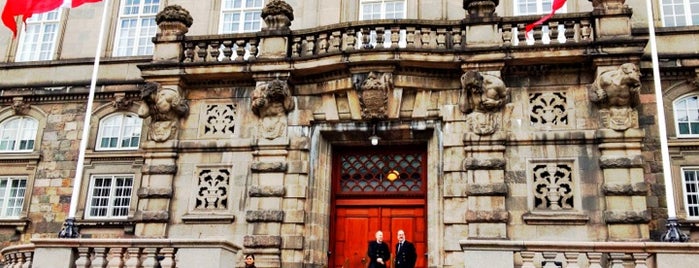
column 27, row 8
column 557, row 4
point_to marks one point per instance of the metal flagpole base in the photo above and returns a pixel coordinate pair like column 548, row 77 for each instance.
column 673, row 233
column 69, row 230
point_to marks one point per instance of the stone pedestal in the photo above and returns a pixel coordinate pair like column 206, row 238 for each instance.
column 624, row 187
column 613, row 19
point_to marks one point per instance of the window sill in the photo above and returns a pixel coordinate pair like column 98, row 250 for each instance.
column 17, row 157
column 555, row 218
column 208, row 218
column 19, row 224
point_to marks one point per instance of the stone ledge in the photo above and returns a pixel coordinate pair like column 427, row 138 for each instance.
column 266, row 191
column 636, row 189
column 151, row 216
column 620, row 162
column 208, row 218
column 264, row 216
column 148, row 192
column 625, row 217
column 268, row 166
column 262, row 241
column 487, row 216
column 490, row 189
column 555, row 218
column 160, row 169
column 483, row 163
column 19, row 224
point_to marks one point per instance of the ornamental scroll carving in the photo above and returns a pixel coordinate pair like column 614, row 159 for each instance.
column 482, row 97
column 271, row 101
column 165, row 106
column 373, row 94
column 616, row 92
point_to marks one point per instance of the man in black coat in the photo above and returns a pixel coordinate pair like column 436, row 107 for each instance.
column 378, row 252
column 405, row 252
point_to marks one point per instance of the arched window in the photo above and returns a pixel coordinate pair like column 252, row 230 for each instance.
column 687, row 116
column 18, row 134
column 119, row 132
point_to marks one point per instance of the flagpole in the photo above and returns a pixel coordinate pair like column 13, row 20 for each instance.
column 69, row 229
column 673, row 233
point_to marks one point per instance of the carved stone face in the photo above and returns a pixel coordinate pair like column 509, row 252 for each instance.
column 630, row 75
column 165, row 100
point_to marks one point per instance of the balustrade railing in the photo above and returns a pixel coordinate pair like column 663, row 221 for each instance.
column 565, row 254
column 127, row 253
column 383, row 35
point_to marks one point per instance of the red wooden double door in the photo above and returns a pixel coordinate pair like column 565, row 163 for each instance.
column 380, row 204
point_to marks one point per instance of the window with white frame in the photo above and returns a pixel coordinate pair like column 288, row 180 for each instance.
column 18, row 134
column 136, row 27
column 240, row 16
column 679, row 12
column 109, row 196
column 687, row 116
column 382, row 9
column 12, row 191
column 690, row 181
column 119, row 131
column 533, row 7
column 38, row 40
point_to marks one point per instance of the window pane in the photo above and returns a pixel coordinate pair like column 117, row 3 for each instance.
column 136, row 27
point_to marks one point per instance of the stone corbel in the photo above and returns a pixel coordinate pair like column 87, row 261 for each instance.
column 121, row 102
column 616, row 91
column 19, row 106
column 482, row 98
column 271, row 102
column 165, row 106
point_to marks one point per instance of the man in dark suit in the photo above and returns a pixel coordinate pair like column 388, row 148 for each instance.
column 405, row 252
column 378, row 252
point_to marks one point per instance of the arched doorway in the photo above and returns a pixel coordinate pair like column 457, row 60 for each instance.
column 377, row 188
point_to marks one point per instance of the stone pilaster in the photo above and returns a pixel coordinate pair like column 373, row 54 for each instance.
column 624, row 187
column 155, row 192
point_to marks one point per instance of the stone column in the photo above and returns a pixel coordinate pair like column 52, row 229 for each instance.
column 616, row 93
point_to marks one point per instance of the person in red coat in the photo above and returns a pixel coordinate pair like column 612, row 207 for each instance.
column 405, row 252
column 378, row 253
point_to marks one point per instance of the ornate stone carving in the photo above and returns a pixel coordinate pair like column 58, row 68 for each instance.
column 373, row 94
column 271, row 101
column 482, row 98
column 212, row 189
column 121, row 102
column 165, row 107
column 480, row 8
column 220, row 119
column 19, row 106
column 548, row 110
column 277, row 15
column 174, row 20
column 617, row 93
column 553, row 186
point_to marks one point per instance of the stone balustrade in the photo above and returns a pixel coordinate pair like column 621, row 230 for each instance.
column 394, row 35
column 130, row 253
column 566, row 254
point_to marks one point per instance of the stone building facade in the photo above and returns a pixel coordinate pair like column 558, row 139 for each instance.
column 263, row 142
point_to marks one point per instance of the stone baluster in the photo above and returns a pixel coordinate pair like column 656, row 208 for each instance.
column 553, row 32
column 521, row 34
column 549, row 259
column 380, row 37
column 83, row 260
column 100, row 259
column 441, row 38
column 296, row 47
column 253, row 49
column 150, row 261
column 28, row 256
column 227, row 50
column 366, row 38
column 641, row 259
column 527, row 259
column 310, row 45
column 538, row 34
column 335, row 41
column 240, row 50
column 569, row 31
column 456, row 38
column 425, row 37
column 168, row 255
column 116, row 257
column 585, row 30
column 214, row 49
column 350, row 40
column 410, row 37
column 595, row 259
column 572, row 259
column 202, row 48
column 16, row 260
column 189, row 51
column 395, row 36
column 322, row 43
column 134, row 258
column 617, row 259
column 507, row 34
